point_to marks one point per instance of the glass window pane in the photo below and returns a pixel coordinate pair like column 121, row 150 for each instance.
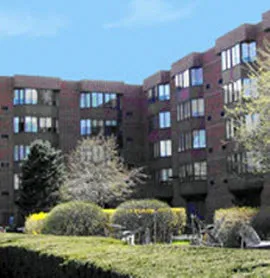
column 16, row 124
column 224, row 60
column 245, row 52
column 82, row 101
column 34, row 96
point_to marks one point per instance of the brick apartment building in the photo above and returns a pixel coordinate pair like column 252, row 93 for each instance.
column 174, row 124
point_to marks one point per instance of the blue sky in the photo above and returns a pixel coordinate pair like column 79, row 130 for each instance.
column 121, row 40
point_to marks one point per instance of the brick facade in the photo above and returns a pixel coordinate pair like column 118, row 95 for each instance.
column 134, row 114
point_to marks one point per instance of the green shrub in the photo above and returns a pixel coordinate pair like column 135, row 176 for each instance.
column 234, row 218
column 34, row 223
column 146, row 216
column 75, row 218
column 261, row 223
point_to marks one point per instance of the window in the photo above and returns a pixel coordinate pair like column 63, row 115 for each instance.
column 241, row 163
column 85, row 127
column 185, row 142
column 97, row 126
column 232, row 91
column 83, row 100
column 165, row 148
column 164, row 119
column 252, row 121
column 16, row 121
column 182, row 79
column 228, row 52
column 226, row 59
column 20, row 152
column 196, row 76
column 236, row 55
column 30, row 124
column 200, row 170
column 249, row 52
column 16, row 181
column 199, row 139
column 45, row 124
column 25, row 124
column 110, row 100
column 250, row 87
column 197, row 106
column 25, row 96
column 164, row 92
column 165, row 175
column 185, row 172
column 97, row 99
column 194, row 108
column 230, row 128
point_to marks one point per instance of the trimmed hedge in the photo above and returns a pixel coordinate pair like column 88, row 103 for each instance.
column 75, row 218
column 19, row 262
column 234, row 218
column 151, row 219
column 34, row 223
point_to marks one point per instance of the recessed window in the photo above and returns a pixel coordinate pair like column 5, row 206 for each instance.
column 208, row 86
column 196, row 76
column 164, row 92
column 4, row 136
column 199, row 139
column 165, row 175
column 182, row 80
column 20, row 152
column 232, row 91
column 249, row 52
column 191, row 172
column 210, row 150
column 85, row 127
column 25, row 96
column 164, row 119
column 129, row 114
column 230, row 128
column 165, row 148
column 185, row 141
column 197, row 107
column 209, row 118
column 4, row 108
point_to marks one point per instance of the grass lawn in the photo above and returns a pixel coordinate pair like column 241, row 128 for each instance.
column 148, row 261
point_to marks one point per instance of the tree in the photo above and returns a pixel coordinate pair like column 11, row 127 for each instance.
column 98, row 174
column 42, row 174
column 251, row 114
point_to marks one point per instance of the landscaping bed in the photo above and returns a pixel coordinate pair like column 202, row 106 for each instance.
column 62, row 256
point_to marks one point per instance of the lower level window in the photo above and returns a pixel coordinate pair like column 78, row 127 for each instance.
column 194, row 171
column 21, row 152
column 165, row 174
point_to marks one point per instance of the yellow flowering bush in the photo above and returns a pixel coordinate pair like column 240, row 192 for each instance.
column 34, row 223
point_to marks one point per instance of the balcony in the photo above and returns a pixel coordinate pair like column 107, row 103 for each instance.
column 245, row 183
column 193, row 188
